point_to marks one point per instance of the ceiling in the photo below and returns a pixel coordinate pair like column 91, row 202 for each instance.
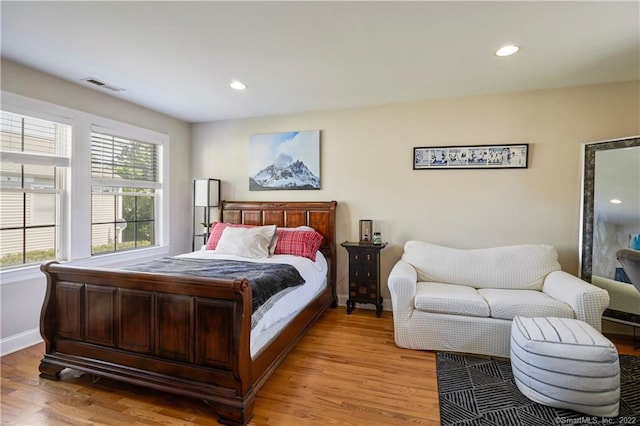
column 179, row 57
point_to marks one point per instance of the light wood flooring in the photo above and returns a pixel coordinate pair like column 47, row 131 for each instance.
column 345, row 371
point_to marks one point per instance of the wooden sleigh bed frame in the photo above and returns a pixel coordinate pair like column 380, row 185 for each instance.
column 176, row 333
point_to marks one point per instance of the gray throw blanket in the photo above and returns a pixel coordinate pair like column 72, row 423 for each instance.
column 269, row 281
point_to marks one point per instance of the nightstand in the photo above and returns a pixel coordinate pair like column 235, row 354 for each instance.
column 364, row 274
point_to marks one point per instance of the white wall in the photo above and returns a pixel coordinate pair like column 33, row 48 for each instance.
column 21, row 300
column 366, row 165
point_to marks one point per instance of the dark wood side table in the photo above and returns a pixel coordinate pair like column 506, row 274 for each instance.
column 364, row 274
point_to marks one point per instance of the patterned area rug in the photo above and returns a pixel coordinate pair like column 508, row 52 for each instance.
column 478, row 391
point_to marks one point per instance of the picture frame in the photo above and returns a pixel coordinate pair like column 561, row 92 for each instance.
column 366, row 231
column 509, row 156
column 284, row 161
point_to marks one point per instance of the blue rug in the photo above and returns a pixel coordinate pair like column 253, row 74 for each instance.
column 479, row 391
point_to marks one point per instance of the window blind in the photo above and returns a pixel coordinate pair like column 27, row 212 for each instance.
column 28, row 140
column 120, row 162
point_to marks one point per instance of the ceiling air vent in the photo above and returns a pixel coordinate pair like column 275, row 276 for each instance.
column 102, row 84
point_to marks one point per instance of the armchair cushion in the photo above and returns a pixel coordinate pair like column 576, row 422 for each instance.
column 450, row 299
column 507, row 304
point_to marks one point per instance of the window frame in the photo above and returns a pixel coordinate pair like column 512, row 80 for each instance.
column 75, row 199
column 157, row 185
column 23, row 152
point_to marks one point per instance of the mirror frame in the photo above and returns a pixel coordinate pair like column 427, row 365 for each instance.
column 588, row 186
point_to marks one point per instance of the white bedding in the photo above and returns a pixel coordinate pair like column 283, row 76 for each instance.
column 314, row 274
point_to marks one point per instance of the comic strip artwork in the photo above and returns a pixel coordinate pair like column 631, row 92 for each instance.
column 511, row 156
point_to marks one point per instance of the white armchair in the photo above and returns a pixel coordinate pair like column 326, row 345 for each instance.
column 464, row 300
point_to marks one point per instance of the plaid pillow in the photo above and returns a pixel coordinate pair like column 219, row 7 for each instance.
column 298, row 243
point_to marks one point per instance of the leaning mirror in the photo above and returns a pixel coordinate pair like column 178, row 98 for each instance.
column 611, row 221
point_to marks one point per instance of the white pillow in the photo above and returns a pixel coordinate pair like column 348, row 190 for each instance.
column 246, row 242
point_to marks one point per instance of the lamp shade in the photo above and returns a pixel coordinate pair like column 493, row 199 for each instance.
column 206, row 192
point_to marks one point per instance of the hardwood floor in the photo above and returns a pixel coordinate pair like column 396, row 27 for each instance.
column 345, row 371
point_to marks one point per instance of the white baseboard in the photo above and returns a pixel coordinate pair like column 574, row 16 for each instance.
column 386, row 303
column 20, row 341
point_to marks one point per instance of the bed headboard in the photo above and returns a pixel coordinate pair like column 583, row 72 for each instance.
column 320, row 215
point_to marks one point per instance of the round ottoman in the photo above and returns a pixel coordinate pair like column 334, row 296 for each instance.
column 565, row 363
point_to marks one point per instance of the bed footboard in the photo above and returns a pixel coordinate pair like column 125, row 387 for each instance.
column 185, row 335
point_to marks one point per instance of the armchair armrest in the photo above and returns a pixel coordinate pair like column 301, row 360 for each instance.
column 587, row 300
column 402, row 287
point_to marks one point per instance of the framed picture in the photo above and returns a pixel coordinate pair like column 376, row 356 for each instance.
column 513, row 156
column 366, row 231
column 288, row 160
column 634, row 241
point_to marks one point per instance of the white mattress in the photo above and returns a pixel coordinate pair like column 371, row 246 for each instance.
column 314, row 274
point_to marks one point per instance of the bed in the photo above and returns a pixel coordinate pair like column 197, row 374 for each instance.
column 178, row 333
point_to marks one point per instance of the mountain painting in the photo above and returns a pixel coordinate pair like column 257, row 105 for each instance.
column 284, row 161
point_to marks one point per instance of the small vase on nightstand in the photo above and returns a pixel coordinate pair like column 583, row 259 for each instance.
column 377, row 238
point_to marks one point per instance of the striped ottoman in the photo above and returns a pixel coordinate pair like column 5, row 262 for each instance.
column 565, row 363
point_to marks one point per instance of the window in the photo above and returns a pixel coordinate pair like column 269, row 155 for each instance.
column 35, row 155
column 124, row 183
column 75, row 186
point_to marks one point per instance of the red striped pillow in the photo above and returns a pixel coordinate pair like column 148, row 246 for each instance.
column 298, row 243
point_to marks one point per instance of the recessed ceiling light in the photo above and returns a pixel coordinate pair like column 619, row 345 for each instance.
column 615, row 201
column 507, row 50
column 237, row 85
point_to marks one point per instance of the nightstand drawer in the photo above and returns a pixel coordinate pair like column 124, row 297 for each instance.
column 363, row 256
column 363, row 272
column 363, row 294
column 362, row 284
column 370, row 293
